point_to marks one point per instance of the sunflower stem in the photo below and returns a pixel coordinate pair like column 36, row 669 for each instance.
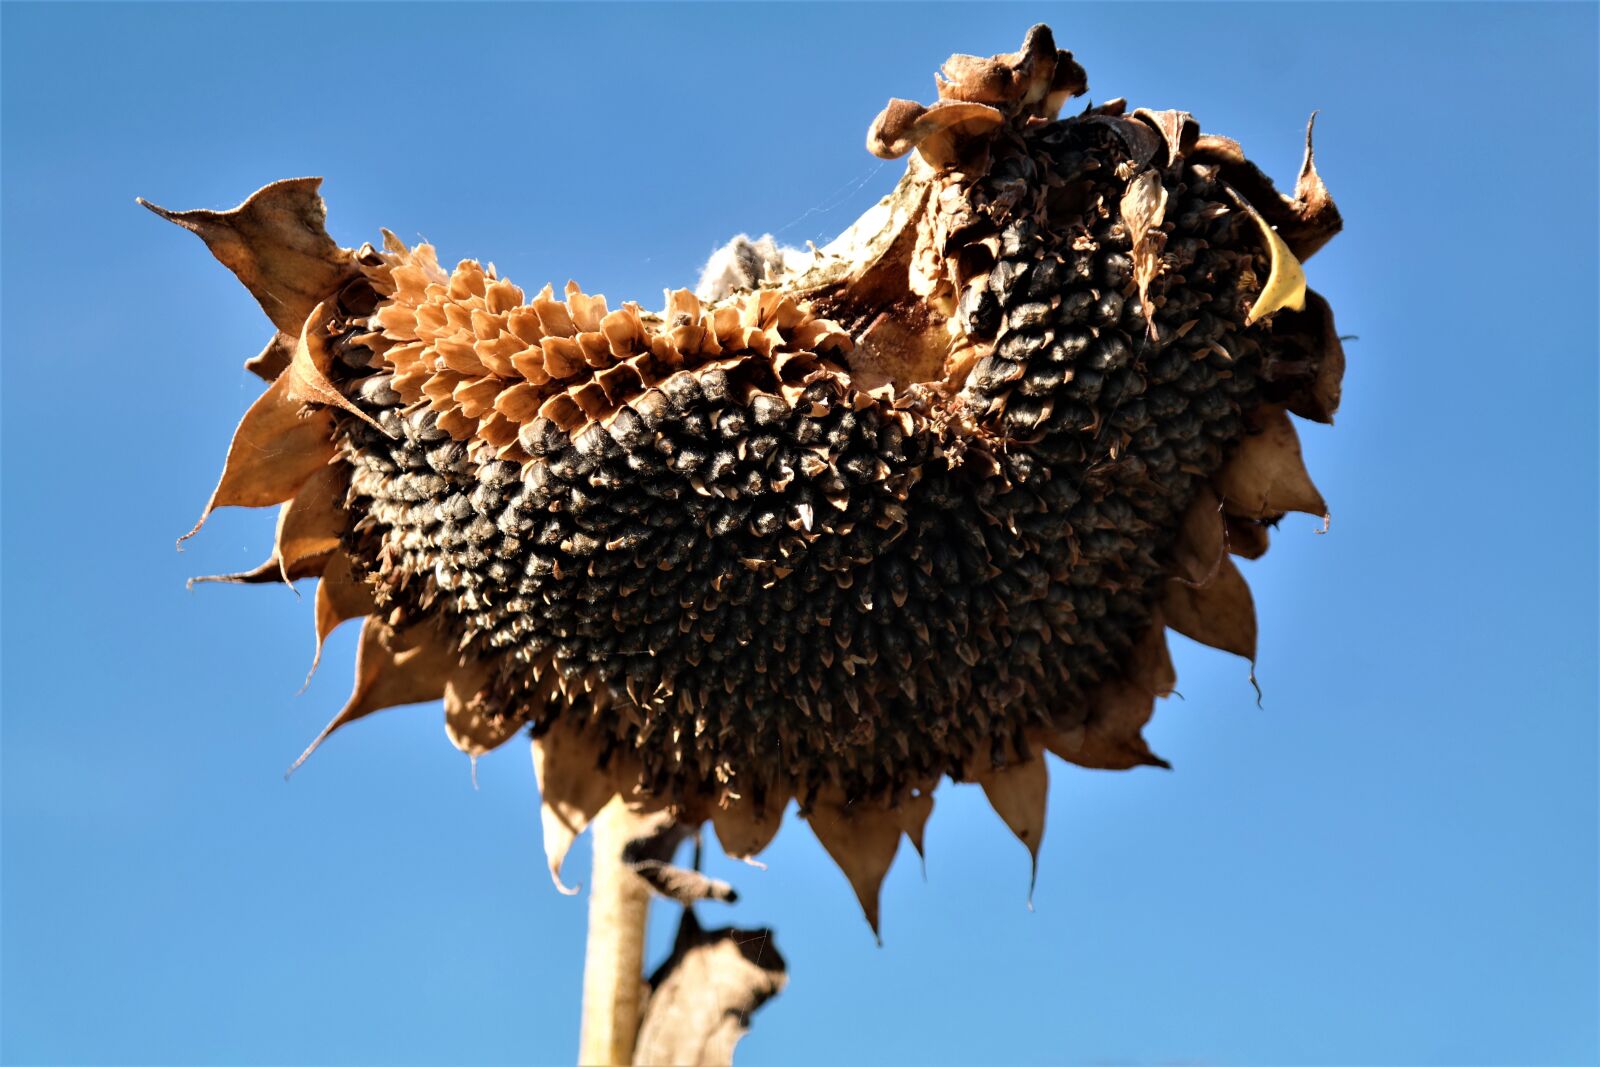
column 613, row 966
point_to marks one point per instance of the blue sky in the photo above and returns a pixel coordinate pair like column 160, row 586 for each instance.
column 1393, row 861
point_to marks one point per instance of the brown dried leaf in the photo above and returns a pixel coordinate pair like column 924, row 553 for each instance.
column 1019, row 794
column 392, row 668
column 702, row 997
column 572, row 790
column 743, row 831
column 277, row 244
column 1246, row 538
column 272, row 360
column 914, row 812
column 1112, row 737
column 471, row 720
column 1199, row 544
column 310, row 525
column 862, row 841
column 274, row 451
column 1266, row 475
column 1141, row 143
column 1305, row 225
column 341, row 595
column 1177, row 128
column 1220, row 613
column 1144, row 206
column 1021, row 77
column 1313, row 205
column 1313, row 332
column 260, row 574
column 1113, row 740
column 934, row 131
column 308, row 370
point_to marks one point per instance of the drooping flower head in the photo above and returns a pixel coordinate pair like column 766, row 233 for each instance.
column 919, row 506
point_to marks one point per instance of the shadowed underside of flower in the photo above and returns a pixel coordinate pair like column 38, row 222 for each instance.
column 922, row 505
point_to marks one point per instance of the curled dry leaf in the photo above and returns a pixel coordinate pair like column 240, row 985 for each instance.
column 936, row 132
column 1144, row 205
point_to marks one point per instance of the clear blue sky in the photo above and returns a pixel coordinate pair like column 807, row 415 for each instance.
column 1394, row 861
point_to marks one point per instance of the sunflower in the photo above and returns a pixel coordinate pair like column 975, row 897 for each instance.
column 920, row 504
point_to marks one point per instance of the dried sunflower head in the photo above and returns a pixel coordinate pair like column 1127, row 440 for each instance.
column 919, row 505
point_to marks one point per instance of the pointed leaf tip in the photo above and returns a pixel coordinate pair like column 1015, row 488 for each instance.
column 393, row 668
column 914, row 812
column 1220, row 613
column 862, row 841
column 273, row 453
column 341, row 595
column 277, row 244
column 1266, row 476
column 1020, row 794
column 1112, row 738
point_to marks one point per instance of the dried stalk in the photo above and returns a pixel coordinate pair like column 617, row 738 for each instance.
column 613, row 966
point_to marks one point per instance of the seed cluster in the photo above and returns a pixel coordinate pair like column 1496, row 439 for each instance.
column 765, row 587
